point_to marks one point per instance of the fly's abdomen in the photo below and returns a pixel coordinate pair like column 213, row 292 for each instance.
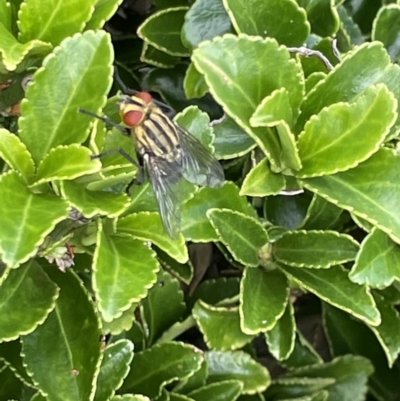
column 157, row 137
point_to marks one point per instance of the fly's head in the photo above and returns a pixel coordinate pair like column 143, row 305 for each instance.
column 133, row 109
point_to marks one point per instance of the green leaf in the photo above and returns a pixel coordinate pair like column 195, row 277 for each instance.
column 303, row 353
column 386, row 29
column 352, row 132
column 11, row 387
column 230, row 139
column 66, row 163
column 347, row 335
column 5, row 14
column 14, row 53
column 122, row 323
column 92, row 203
column 315, row 249
column 263, row 299
column 68, row 341
column 195, row 224
column 321, row 215
column 215, row 291
column 378, row 262
column 22, row 289
column 261, row 181
column 365, row 66
column 333, row 286
column 288, row 212
column 133, row 272
column 260, row 18
column 52, row 21
column 220, row 326
column 163, row 306
column 241, row 234
column 323, row 17
column 15, row 154
column 228, row 65
column 227, row 390
column 369, row 190
column 237, row 365
column 388, row 332
column 179, row 397
column 158, row 58
column 350, row 374
column 194, row 84
column 10, row 354
column 49, row 112
column 103, row 11
column 281, row 338
column 148, row 227
column 163, row 31
column 130, row 397
column 159, row 365
column 26, row 219
column 273, row 109
column 205, row 20
column 113, row 369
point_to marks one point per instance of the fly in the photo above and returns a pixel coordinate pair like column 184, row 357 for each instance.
column 169, row 153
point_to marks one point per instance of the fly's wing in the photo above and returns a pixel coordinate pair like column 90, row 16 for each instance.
column 163, row 177
column 198, row 165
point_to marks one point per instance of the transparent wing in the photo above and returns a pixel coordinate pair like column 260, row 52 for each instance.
column 199, row 166
column 163, row 177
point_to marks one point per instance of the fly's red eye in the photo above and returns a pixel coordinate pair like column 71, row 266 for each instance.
column 132, row 118
column 145, row 96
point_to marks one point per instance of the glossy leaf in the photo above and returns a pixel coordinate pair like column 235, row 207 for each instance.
column 92, row 203
column 230, row 139
column 113, row 369
column 220, row 62
column 370, row 62
column 68, row 341
column 237, row 365
column 364, row 123
column 148, row 227
column 130, row 397
column 378, row 262
column 22, row 289
column 259, row 18
column 163, row 306
column 161, row 364
column 227, row 390
column 26, row 218
column 11, row 387
column 15, row 154
column 103, row 11
column 386, row 29
column 49, row 112
column 350, row 374
column 281, row 338
column 369, row 190
column 158, row 58
column 14, row 53
column 315, row 249
column 388, row 332
column 195, row 224
column 220, row 326
column 52, row 21
column 261, row 181
column 263, row 299
column 347, row 335
column 120, row 281
column 205, row 20
column 241, row 234
column 66, row 163
column 154, row 29
column 333, row 286
column 194, row 84
column 323, row 17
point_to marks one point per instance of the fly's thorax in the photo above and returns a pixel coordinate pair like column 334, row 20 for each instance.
column 156, row 135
